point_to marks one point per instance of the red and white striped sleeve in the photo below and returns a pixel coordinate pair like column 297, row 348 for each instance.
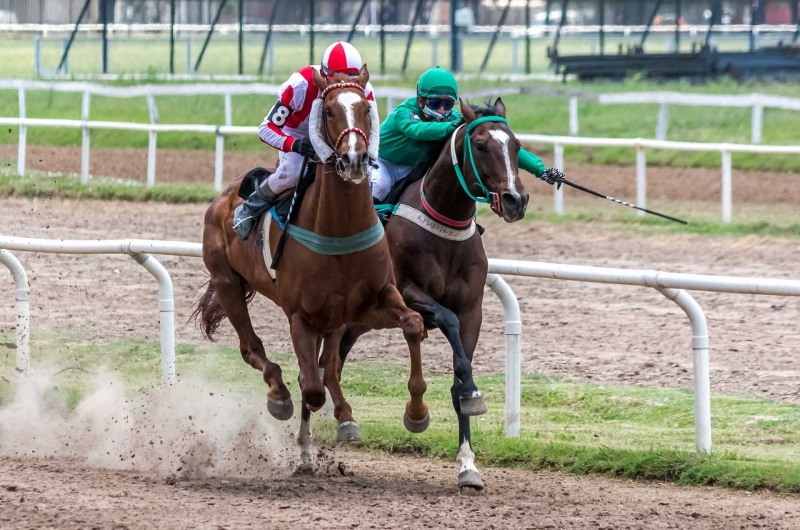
column 290, row 99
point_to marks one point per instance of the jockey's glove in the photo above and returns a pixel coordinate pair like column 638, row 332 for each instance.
column 552, row 176
column 304, row 147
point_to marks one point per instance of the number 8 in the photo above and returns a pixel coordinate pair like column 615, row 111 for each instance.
column 279, row 115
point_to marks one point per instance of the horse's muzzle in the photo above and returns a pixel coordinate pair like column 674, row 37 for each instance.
column 354, row 170
column 512, row 206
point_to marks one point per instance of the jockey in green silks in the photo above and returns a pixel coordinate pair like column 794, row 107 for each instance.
column 416, row 128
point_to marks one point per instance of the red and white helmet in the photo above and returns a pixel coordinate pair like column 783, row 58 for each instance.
column 341, row 58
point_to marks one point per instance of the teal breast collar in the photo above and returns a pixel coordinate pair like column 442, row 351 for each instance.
column 336, row 246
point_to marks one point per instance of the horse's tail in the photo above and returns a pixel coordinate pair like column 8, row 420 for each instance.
column 208, row 312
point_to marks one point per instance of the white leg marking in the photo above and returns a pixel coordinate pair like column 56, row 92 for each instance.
column 304, row 442
column 502, row 138
column 347, row 100
column 466, row 459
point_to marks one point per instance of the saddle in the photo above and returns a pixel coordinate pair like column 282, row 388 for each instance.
column 280, row 212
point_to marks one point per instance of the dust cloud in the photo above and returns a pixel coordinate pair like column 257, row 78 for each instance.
column 184, row 431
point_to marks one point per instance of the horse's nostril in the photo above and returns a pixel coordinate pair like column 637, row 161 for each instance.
column 346, row 159
column 363, row 159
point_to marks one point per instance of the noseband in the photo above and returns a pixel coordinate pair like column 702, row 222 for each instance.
column 346, row 132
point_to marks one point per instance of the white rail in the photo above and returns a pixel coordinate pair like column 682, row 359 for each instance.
column 641, row 144
column 140, row 251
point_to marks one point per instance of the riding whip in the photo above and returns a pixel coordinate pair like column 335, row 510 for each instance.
column 282, row 240
column 602, row 196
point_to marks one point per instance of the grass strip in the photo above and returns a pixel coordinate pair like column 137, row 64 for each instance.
column 616, row 431
column 42, row 185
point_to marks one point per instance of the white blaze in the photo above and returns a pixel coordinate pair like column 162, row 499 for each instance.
column 502, row 138
column 347, row 100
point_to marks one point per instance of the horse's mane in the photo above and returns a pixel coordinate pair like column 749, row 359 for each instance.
column 422, row 168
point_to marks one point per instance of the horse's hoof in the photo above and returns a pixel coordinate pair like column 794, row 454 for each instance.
column 304, row 467
column 280, row 409
column 472, row 406
column 348, row 432
column 470, row 479
column 416, row 426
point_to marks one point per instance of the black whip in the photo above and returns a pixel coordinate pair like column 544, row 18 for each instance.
column 282, row 240
column 596, row 194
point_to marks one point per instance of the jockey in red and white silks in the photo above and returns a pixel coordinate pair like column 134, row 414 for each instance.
column 286, row 129
column 286, row 125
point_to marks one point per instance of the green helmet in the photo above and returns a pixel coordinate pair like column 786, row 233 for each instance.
column 437, row 83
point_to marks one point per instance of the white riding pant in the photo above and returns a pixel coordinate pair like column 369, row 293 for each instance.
column 387, row 174
column 288, row 173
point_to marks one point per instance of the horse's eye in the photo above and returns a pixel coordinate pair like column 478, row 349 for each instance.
column 328, row 112
column 480, row 147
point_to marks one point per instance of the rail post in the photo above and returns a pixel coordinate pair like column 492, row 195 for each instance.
column 85, row 138
column 727, row 188
column 219, row 159
column 228, row 110
column 702, row 380
column 573, row 116
column 166, row 309
column 23, row 135
column 513, row 333
column 641, row 179
column 663, row 122
column 558, row 192
column 757, row 124
column 22, row 296
column 152, row 143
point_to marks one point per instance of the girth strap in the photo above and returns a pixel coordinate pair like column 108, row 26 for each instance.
column 336, row 246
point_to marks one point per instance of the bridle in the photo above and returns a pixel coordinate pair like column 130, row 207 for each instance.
column 336, row 158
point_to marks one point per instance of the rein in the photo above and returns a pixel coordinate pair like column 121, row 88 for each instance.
column 493, row 199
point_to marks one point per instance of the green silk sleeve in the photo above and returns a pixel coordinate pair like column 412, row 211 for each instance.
column 531, row 163
column 422, row 130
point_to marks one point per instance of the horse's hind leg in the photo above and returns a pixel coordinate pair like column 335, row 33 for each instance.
column 232, row 294
column 471, row 401
column 348, row 430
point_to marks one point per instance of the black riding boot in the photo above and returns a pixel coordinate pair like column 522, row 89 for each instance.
column 247, row 215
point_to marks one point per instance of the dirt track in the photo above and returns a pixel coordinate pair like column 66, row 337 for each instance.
column 382, row 493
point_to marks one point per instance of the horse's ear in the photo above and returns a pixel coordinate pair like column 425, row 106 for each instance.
column 500, row 108
column 320, row 81
column 466, row 111
column 363, row 76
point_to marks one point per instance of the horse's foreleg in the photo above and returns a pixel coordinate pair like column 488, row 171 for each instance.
column 306, row 348
column 471, row 401
column 468, row 474
column 230, row 289
column 348, row 430
column 392, row 312
column 305, row 462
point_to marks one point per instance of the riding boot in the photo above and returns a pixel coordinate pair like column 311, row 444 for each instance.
column 247, row 215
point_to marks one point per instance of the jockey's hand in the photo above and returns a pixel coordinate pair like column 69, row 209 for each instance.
column 303, row 147
column 552, row 176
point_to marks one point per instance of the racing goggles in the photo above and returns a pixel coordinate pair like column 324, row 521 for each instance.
column 445, row 104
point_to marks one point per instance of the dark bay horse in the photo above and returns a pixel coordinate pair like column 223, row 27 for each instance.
column 438, row 255
column 321, row 291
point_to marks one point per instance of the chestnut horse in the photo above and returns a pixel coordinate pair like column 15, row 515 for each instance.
column 324, row 290
column 438, row 255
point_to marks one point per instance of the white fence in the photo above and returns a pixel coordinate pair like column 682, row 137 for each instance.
column 149, row 92
column 758, row 102
column 673, row 286
column 641, row 145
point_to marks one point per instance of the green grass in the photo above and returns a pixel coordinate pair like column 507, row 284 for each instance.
column 628, row 432
column 39, row 184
